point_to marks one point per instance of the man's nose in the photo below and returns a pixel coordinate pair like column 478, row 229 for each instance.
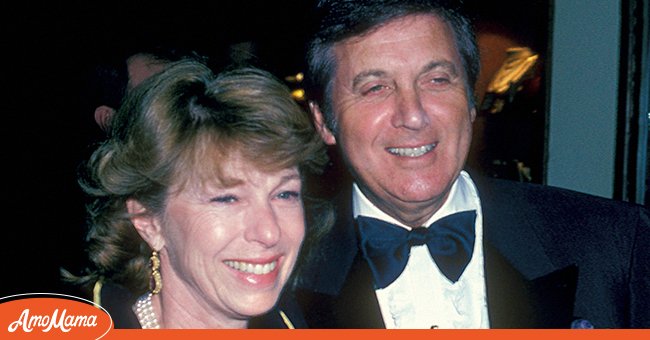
column 409, row 112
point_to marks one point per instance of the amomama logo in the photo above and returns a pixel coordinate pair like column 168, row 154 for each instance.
column 44, row 315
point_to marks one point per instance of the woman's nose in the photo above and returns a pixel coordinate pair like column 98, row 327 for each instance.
column 263, row 226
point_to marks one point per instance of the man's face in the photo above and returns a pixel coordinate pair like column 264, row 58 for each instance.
column 404, row 119
column 141, row 67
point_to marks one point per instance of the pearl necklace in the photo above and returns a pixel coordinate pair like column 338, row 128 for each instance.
column 143, row 309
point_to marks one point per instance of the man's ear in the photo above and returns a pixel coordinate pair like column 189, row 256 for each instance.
column 319, row 120
column 472, row 114
column 103, row 115
column 145, row 224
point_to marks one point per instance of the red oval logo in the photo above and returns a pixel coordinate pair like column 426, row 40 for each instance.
column 40, row 315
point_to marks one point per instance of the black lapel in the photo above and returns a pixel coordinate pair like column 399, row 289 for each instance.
column 515, row 302
column 357, row 305
column 336, row 289
column 525, row 288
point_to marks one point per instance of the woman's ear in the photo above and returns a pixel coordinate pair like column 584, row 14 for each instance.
column 321, row 127
column 145, row 223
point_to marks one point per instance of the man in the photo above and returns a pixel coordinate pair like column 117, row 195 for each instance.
column 419, row 243
column 120, row 73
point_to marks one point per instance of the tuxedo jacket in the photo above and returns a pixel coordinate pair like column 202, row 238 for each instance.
column 554, row 258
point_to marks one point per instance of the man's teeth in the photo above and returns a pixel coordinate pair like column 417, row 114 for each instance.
column 412, row 152
column 257, row 269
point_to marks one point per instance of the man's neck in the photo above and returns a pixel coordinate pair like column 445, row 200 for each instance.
column 410, row 214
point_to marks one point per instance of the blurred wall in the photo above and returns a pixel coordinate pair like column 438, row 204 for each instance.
column 583, row 95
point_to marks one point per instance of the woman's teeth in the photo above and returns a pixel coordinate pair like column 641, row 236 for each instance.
column 257, row 269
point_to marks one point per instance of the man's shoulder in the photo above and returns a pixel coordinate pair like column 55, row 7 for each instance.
column 501, row 192
column 537, row 227
column 555, row 213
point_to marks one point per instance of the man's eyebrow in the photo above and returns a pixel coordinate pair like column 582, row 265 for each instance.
column 443, row 64
column 366, row 74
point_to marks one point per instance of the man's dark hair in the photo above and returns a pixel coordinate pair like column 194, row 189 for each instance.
column 343, row 19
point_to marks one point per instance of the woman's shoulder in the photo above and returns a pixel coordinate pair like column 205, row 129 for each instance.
column 118, row 302
column 285, row 314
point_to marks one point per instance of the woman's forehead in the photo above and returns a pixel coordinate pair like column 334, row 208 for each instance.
column 234, row 169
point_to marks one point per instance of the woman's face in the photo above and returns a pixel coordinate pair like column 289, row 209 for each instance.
column 232, row 248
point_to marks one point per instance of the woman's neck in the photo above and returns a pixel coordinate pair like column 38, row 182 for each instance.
column 176, row 312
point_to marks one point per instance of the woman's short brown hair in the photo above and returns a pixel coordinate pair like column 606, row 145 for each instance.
column 177, row 125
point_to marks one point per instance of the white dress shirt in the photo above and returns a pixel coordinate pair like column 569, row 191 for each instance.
column 423, row 297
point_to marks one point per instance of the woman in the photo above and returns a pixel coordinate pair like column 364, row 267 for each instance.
column 198, row 208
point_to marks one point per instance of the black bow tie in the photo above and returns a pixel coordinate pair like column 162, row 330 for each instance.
column 386, row 246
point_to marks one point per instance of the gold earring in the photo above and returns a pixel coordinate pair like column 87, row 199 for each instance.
column 156, row 283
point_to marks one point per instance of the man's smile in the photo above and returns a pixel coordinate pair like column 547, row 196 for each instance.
column 412, row 151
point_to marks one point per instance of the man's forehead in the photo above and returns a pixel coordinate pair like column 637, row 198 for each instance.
column 428, row 33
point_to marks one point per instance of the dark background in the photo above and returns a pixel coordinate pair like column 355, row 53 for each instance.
column 47, row 124
column 46, row 121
